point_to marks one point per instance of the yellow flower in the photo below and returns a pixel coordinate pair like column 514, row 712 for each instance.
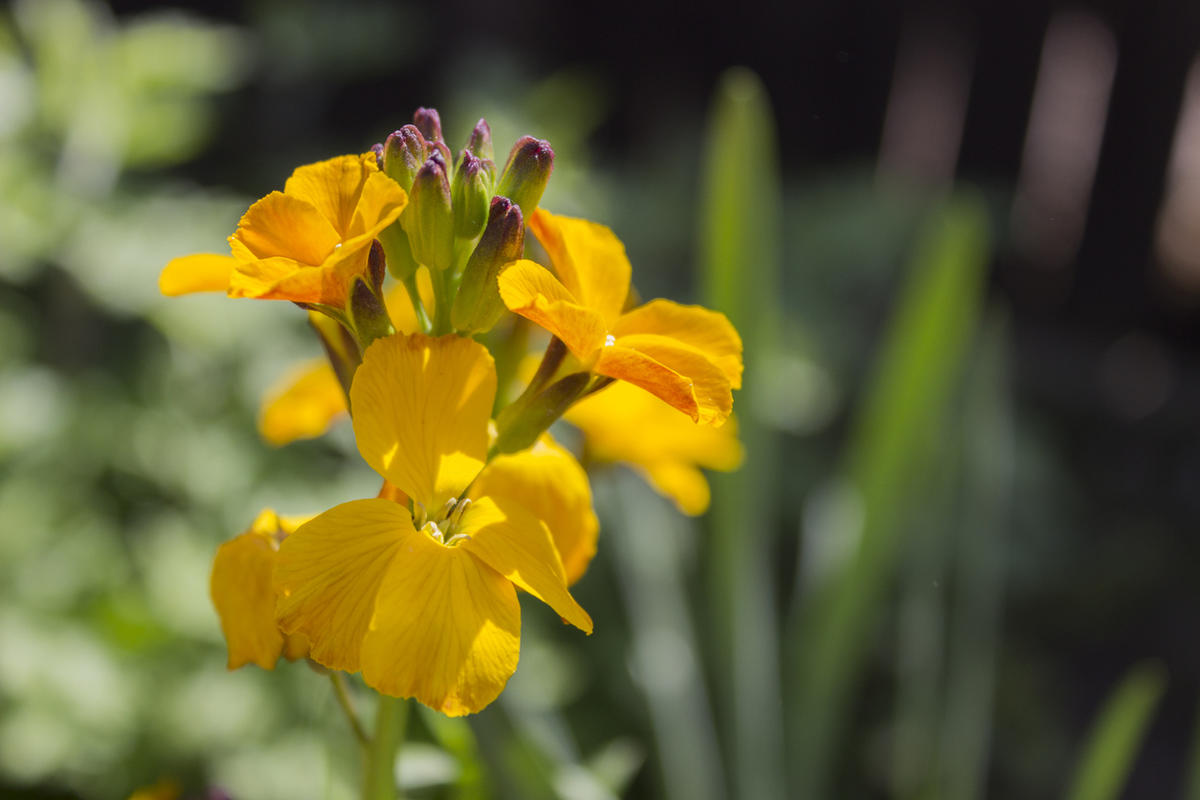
column 245, row 601
column 308, row 399
column 306, row 243
column 626, row 425
column 688, row 356
column 424, row 603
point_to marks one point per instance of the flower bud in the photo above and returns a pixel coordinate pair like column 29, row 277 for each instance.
column 403, row 154
column 377, row 149
column 527, row 173
column 429, row 219
column 469, row 194
column 428, row 123
column 368, row 315
column 479, row 143
column 478, row 306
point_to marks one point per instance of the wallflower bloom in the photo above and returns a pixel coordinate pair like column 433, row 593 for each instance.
column 623, row 424
column 241, row 591
column 425, row 603
column 688, row 356
column 306, row 243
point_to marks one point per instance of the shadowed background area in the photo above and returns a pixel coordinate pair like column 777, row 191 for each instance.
column 963, row 250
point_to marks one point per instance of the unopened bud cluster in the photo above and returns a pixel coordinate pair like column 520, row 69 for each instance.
column 463, row 221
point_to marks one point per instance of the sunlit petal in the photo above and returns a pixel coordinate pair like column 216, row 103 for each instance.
column 302, row 405
column 446, row 630
column 421, row 409
column 203, row 272
column 548, row 481
column 333, row 187
column 283, row 225
column 530, row 290
column 589, row 259
column 328, row 573
column 642, row 370
column 708, row 332
column 515, row 543
column 709, row 386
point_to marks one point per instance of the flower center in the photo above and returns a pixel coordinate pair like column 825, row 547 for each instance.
column 445, row 528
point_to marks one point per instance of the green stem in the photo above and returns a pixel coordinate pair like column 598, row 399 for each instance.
column 443, row 287
column 379, row 779
column 424, row 323
column 343, row 698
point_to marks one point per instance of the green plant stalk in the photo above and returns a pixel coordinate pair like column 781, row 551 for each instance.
column 343, row 699
column 424, row 323
column 740, row 245
column 1117, row 734
column 379, row 774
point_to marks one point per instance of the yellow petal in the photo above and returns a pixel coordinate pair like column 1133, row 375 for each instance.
column 446, row 631
column 515, row 543
column 589, row 259
column 328, row 573
column 240, row 587
column 708, row 332
column 302, row 405
column 550, row 483
column 421, row 409
column 333, row 187
column 530, row 290
column 709, row 386
column 282, row 278
column 203, row 272
column 380, row 204
column 280, row 225
column 641, row 370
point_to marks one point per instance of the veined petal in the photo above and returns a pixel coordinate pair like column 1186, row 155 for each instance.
column 302, row 405
column 282, row 278
column 530, row 290
column 328, row 573
column 283, row 225
column 202, row 272
column 240, row 587
column 380, row 204
column 548, row 481
column 708, row 332
column 642, row 370
column 446, row 630
column 589, row 259
column 709, row 385
column 515, row 543
column 421, row 409
column 333, row 187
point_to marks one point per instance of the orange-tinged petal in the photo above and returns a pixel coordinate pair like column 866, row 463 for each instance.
column 282, row 278
column 548, row 481
column 329, row 571
column 240, row 587
column 333, row 187
column 530, row 290
column 517, row 544
column 708, row 332
column 421, row 409
column 380, row 204
column 283, row 225
column 202, row 272
column 642, row 370
column 589, row 259
column 709, row 385
column 302, row 405
column 446, row 631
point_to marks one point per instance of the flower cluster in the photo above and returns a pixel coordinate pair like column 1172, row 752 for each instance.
column 416, row 588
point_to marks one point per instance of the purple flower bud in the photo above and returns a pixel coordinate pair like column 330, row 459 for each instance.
column 429, row 123
column 403, row 154
column 470, row 192
column 479, row 143
column 478, row 306
column 527, row 172
column 429, row 219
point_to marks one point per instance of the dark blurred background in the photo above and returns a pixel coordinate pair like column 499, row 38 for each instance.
column 1077, row 127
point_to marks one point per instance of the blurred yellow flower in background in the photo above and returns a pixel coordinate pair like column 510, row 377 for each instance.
column 306, row 243
column 688, row 356
column 423, row 601
column 623, row 424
